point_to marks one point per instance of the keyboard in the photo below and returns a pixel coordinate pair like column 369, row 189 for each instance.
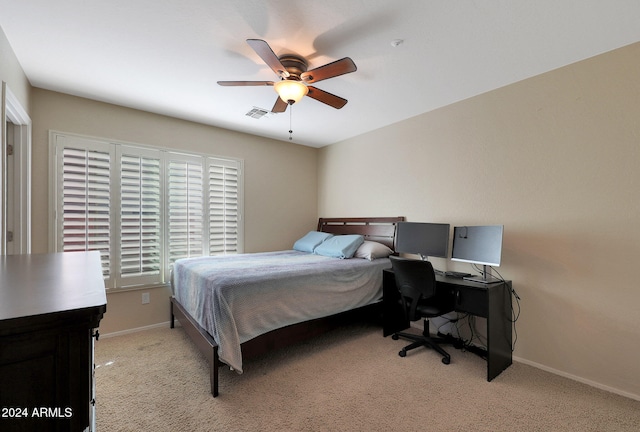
column 456, row 274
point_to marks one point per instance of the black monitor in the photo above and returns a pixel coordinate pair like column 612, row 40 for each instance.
column 424, row 239
column 478, row 245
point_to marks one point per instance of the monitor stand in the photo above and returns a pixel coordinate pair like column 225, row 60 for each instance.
column 484, row 278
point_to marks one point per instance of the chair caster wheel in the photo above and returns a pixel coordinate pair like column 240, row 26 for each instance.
column 446, row 360
column 395, row 337
column 402, row 353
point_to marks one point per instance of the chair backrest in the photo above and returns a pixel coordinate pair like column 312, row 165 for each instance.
column 415, row 279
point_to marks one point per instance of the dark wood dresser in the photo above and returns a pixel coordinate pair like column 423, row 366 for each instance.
column 50, row 307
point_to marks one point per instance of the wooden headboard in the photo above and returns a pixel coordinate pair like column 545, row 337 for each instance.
column 379, row 229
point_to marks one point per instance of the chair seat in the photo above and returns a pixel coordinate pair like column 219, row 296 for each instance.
column 428, row 310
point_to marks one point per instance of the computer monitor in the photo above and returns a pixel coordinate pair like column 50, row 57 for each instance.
column 424, row 239
column 478, row 245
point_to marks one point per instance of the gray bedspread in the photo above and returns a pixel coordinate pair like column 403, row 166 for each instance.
column 238, row 297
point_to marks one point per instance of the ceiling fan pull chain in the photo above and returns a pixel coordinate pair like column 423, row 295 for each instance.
column 290, row 128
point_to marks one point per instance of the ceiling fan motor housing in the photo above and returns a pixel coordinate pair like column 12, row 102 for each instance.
column 294, row 64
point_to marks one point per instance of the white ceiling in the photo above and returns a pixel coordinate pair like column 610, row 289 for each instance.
column 165, row 56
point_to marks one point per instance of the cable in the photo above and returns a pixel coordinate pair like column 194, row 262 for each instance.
column 515, row 312
column 515, row 315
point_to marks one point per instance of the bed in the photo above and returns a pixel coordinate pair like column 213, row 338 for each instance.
column 238, row 306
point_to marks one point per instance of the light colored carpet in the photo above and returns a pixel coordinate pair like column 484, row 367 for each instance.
column 351, row 379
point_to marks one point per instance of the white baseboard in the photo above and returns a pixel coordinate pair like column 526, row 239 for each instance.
column 577, row 378
column 418, row 325
column 138, row 329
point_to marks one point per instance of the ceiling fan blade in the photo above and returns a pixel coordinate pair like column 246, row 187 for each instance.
column 268, row 56
column 330, row 70
column 245, row 83
column 326, row 97
column 280, row 106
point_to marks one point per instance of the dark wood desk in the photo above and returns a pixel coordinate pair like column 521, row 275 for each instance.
column 491, row 301
column 49, row 306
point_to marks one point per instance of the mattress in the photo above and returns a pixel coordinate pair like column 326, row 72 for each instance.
column 239, row 297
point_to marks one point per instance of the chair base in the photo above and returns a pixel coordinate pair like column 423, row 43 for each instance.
column 425, row 340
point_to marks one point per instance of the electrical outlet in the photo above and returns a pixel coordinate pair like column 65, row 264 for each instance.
column 145, row 298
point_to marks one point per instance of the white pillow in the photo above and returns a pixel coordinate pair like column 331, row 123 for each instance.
column 372, row 250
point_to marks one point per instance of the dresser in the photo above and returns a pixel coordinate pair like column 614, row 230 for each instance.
column 50, row 308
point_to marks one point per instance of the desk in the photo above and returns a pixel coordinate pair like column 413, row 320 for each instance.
column 491, row 301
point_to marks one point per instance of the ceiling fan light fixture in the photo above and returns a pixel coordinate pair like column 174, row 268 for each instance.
column 290, row 91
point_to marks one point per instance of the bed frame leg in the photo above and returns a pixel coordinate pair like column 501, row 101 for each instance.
column 213, row 373
column 172, row 324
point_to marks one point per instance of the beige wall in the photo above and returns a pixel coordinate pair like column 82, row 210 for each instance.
column 12, row 74
column 277, row 209
column 555, row 159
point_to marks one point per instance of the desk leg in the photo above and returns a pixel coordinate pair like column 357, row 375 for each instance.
column 499, row 356
column 392, row 314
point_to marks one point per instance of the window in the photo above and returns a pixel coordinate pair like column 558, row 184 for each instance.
column 140, row 216
column 186, row 207
column 142, row 207
column 223, row 206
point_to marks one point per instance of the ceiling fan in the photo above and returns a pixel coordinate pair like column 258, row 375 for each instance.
column 294, row 77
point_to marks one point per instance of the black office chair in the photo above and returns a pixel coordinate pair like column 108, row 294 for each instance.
column 416, row 281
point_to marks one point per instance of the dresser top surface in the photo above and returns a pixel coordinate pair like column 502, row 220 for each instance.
column 39, row 284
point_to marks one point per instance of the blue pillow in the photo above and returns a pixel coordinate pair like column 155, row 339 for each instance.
column 342, row 246
column 309, row 242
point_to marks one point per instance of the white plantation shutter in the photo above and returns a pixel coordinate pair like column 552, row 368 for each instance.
column 83, row 207
column 186, row 211
column 142, row 207
column 223, row 206
column 140, row 217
